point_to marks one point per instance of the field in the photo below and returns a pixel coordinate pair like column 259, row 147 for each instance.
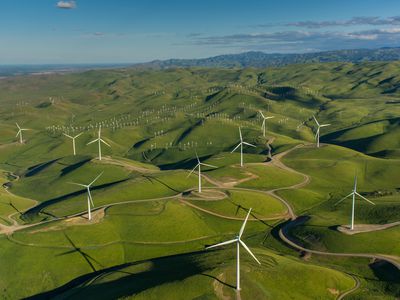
column 149, row 223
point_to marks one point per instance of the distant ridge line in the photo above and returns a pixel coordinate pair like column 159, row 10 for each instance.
column 259, row 59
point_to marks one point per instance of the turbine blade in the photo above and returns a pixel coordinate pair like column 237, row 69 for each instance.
column 68, row 135
column 248, row 144
column 261, row 114
column 17, row 125
column 80, row 184
column 271, row 117
column 96, row 178
column 192, row 170
column 18, row 133
column 240, row 134
column 94, row 141
column 78, row 135
column 244, row 224
column 324, row 125
column 103, row 141
column 248, row 250
column 236, row 147
column 90, row 196
column 344, row 198
column 207, row 165
column 315, row 120
column 222, row 244
column 364, row 198
column 355, row 183
column 317, row 133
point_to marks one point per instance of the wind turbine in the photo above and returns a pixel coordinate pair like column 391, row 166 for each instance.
column 99, row 140
column 89, row 195
column 263, row 126
column 199, row 164
column 19, row 133
column 73, row 140
column 241, row 147
column 354, row 193
column 238, row 242
column 319, row 127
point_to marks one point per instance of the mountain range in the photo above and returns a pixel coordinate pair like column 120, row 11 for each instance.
column 258, row 59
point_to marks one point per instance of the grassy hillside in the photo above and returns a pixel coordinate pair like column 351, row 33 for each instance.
column 150, row 224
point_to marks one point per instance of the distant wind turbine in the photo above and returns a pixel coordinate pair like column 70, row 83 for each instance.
column 239, row 243
column 199, row 164
column 89, row 195
column 263, row 126
column 318, row 130
column 354, row 193
column 73, row 140
column 19, row 133
column 241, row 147
column 99, row 140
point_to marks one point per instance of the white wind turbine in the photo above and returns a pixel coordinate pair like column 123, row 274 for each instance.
column 89, row 195
column 99, row 140
column 241, row 147
column 73, row 140
column 19, row 133
column 263, row 126
column 199, row 164
column 354, row 193
column 319, row 127
column 238, row 242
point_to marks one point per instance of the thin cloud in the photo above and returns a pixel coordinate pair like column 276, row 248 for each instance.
column 296, row 40
column 66, row 4
column 356, row 21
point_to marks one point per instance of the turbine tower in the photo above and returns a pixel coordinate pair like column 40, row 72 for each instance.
column 354, row 193
column 239, row 243
column 99, row 140
column 73, row 140
column 199, row 164
column 318, row 130
column 89, row 195
column 263, row 126
column 241, row 147
column 19, row 133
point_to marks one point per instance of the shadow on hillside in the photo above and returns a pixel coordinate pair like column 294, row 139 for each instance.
column 75, row 166
column 151, row 178
column 40, row 167
column 88, row 259
column 132, row 278
column 184, row 164
column 385, row 271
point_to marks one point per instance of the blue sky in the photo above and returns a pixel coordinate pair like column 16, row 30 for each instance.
column 120, row 31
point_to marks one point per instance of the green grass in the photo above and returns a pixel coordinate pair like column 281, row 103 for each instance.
column 155, row 122
column 238, row 203
column 11, row 204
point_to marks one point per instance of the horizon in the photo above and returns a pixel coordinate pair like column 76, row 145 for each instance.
column 102, row 32
column 175, row 58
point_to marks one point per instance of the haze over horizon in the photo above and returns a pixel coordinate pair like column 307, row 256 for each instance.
column 73, row 32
